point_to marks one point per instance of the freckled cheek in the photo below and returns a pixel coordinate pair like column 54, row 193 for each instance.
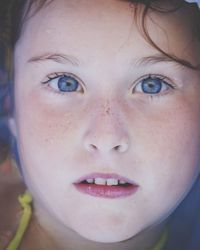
column 177, row 148
column 179, row 130
column 168, row 135
column 44, row 123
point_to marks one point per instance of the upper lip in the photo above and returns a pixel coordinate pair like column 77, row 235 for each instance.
column 105, row 176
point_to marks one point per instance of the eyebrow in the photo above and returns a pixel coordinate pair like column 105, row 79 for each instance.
column 59, row 58
column 154, row 59
column 69, row 59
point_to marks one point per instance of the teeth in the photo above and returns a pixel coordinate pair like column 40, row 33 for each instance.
column 90, row 181
column 108, row 182
column 112, row 182
column 122, row 182
column 100, row 181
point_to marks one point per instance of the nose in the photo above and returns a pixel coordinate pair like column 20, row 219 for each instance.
column 106, row 133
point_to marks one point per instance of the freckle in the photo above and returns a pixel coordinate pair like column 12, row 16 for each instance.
column 57, row 127
column 108, row 111
column 67, row 117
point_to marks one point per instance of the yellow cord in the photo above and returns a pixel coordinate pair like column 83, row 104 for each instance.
column 25, row 201
column 162, row 241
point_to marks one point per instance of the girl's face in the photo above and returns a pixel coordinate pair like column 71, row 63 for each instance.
column 94, row 100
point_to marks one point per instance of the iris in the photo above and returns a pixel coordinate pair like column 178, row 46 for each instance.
column 151, row 85
column 67, row 84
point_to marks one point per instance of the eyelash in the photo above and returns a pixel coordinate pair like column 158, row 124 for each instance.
column 59, row 76
column 72, row 78
column 164, row 82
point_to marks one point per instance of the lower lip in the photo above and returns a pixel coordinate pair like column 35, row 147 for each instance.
column 104, row 191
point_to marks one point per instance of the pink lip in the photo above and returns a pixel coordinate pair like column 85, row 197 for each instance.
column 104, row 191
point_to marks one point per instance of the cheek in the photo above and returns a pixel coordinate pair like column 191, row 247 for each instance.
column 170, row 128
column 168, row 143
column 51, row 126
column 178, row 133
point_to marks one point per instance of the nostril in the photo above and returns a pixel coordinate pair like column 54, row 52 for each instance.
column 121, row 148
column 92, row 147
column 105, row 145
column 117, row 148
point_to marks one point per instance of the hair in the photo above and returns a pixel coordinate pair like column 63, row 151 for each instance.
column 14, row 14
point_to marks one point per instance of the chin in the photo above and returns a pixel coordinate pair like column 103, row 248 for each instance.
column 105, row 236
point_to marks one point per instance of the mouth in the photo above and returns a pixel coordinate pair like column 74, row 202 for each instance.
column 106, row 186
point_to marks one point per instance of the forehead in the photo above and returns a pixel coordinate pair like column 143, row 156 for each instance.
column 110, row 24
column 84, row 21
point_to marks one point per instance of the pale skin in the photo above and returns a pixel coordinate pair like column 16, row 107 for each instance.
column 158, row 135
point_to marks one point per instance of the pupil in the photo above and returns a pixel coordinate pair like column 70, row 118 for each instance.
column 151, row 86
column 67, row 84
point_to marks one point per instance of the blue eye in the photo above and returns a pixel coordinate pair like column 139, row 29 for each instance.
column 152, row 85
column 63, row 83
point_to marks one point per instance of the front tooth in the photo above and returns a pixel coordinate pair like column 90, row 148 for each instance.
column 100, row 181
column 112, row 182
column 90, row 181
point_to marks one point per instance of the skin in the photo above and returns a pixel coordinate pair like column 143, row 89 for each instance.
column 158, row 135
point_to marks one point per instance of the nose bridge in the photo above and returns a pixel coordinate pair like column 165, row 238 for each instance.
column 108, row 116
column 106, row 130
column 105, row 116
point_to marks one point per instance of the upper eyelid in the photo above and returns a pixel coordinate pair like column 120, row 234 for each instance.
column 165, row 79
column 62, row 74
column 57, row 75
column 49, row 79
column 152, row 76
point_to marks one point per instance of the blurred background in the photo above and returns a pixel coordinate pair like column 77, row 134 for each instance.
column 4, row 109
